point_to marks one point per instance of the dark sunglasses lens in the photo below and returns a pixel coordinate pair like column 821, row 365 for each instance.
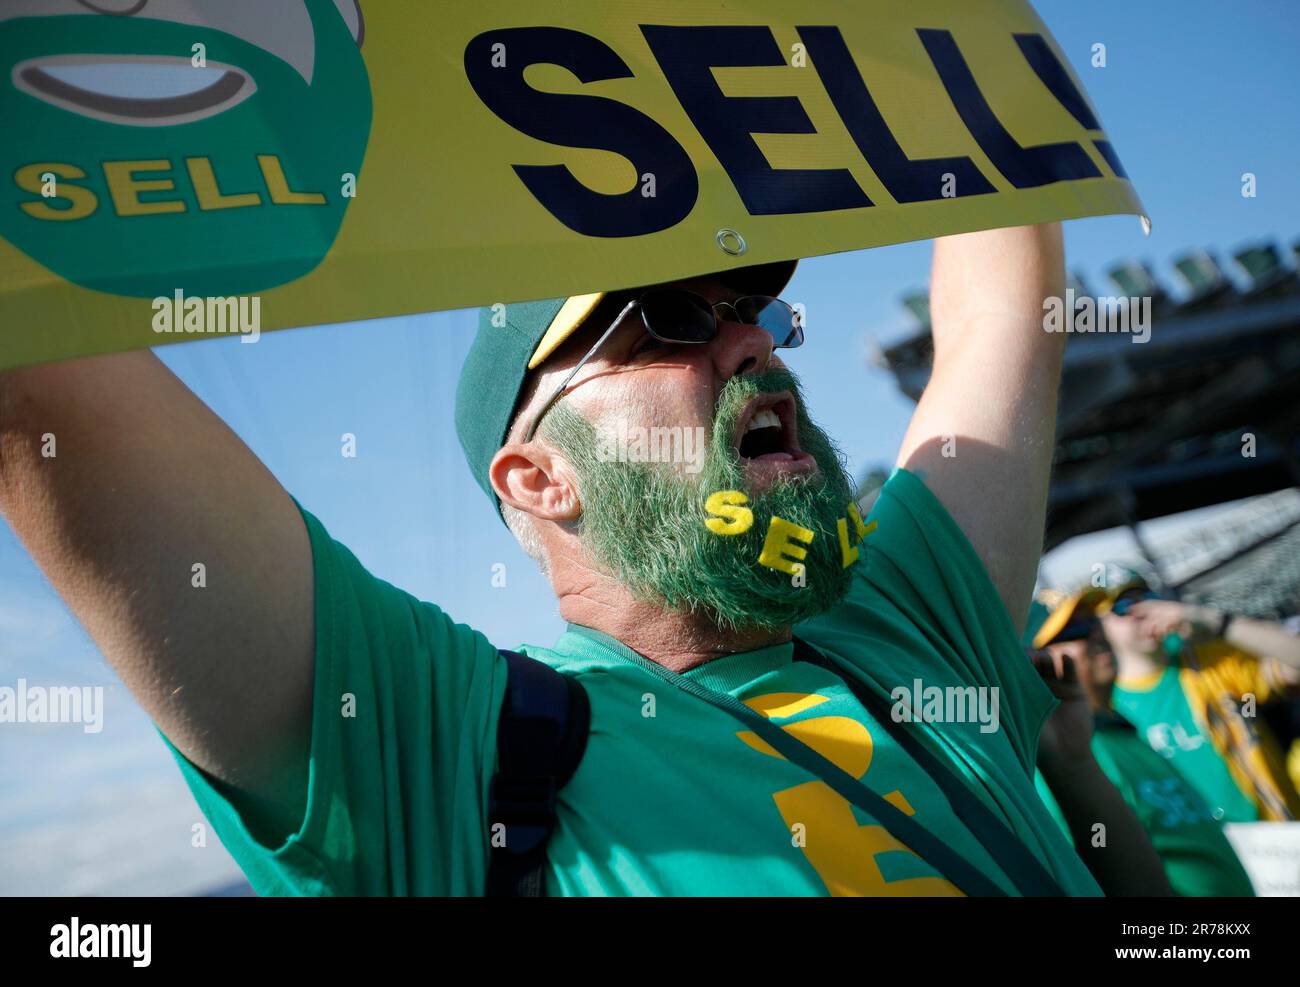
column 678, row 316
column 1076, row 630
column 1125, row 603
column 779, row 319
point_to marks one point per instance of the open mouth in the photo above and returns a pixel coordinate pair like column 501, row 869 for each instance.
column 134, row 90
column 767, row 436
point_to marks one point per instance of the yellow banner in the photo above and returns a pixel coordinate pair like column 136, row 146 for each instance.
column 174, row 169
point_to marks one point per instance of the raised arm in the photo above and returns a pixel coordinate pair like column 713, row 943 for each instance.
column 983, row 432
column 1200, row 624
column 146, row 482
column 1122, row 860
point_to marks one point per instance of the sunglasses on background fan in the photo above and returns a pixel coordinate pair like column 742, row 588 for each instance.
column 674, row 315
column 1079, row 629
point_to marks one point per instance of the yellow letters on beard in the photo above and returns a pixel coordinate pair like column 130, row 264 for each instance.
column 841, row 851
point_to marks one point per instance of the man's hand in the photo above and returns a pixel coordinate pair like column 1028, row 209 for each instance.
column 984, row 430
column 1067, row 734
column 1163, row 617
column 1200, row 624
column 1105, row 830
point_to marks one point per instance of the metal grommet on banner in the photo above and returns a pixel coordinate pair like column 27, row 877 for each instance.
column 731, row 241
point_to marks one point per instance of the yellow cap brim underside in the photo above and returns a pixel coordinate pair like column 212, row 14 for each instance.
column 565, row 324
column 1063, row 614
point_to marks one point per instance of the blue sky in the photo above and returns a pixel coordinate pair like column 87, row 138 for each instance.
column 1194, row 93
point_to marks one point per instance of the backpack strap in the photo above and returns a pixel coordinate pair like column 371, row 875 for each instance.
column 541, row 736
column 1017, row 861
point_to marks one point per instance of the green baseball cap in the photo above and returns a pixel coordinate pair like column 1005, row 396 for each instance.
column 513, row 339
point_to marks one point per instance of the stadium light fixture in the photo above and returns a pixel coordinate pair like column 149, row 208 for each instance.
column 1263, row 265
column 1201, row 274
column 1135, row 280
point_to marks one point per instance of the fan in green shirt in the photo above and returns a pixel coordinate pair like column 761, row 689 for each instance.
column 716, row 763
column 672, row 797
column 1189, row 679
column 1160, row 707
column 1197, row 857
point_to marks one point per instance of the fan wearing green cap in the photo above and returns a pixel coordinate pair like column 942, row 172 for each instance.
column 741, row 635
column 1197, row 858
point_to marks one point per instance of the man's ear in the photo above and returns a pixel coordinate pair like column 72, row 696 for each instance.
column 536, row 480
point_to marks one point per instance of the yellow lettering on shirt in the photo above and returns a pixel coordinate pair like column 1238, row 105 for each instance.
column 842, row 851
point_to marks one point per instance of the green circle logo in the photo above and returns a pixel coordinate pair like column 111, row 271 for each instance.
column 211, row 149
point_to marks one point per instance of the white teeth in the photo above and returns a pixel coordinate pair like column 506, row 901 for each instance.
column 766, row 418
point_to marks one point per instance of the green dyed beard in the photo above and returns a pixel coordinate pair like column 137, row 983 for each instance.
column 644, row 522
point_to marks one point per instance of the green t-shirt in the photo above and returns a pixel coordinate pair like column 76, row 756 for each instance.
column 1164, row 717
column 673, row 796
column 1198, row 859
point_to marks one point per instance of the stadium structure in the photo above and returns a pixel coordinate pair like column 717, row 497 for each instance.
column 1203, row 411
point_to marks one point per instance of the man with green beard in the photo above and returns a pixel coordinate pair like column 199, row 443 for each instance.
column 738, row 632
column 632, row 507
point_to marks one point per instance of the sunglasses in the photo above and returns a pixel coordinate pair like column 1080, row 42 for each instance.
column 1079, row 629
column 674, row 315
column 1124, row 604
